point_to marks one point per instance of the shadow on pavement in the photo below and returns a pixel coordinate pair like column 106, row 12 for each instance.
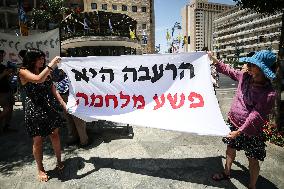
column 193, row 170
column 16, row 147
column 111, row 131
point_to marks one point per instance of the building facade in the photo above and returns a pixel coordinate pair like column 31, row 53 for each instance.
column 197, row 23
column 142, row 11
column 240, row 31
column 9, row 14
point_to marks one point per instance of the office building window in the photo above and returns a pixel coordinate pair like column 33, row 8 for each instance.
column 143, row 9
column 134, row 8
column 104, row 6
column 124, row 8
column 94, row 5
column 114, row 7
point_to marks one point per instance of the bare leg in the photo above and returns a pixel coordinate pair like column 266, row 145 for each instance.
column 253, row 171
column 230, row 157
column 72, row 131
column 37, row 152
column 81, row 130
column 55, row 140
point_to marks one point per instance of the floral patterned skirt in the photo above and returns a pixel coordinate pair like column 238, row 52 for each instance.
column 254, row 146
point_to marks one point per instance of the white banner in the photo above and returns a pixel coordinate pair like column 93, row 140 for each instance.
column 48, row 42
column 170, row 91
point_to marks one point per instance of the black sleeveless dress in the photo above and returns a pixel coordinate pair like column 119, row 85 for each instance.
column 42, row 110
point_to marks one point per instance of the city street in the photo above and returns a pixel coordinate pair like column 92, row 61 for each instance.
column 135, row 157
column 139, row 63
column 226, row 83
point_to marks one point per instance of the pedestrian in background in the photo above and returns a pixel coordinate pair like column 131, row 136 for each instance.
column 42, row 117
column 77, row 132
column 22, row 54
column 214, row 73
column 249, row 111
column 6, row 95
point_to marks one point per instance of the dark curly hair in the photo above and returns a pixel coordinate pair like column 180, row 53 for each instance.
column 31, row 57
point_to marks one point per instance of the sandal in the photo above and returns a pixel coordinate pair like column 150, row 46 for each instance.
column 220, row 176
column 60, row 167
column 42, row 176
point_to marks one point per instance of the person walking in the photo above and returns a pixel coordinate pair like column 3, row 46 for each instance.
column 249, row 111
column 42, row 117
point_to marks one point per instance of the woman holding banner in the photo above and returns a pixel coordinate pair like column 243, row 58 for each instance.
column 249, row 111
column 42, row 117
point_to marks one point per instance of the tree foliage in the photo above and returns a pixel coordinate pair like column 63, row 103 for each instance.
column 262, row 6
column 269, row 7
column 50, row 11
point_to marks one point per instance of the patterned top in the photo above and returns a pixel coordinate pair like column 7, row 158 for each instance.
column 63, row 86
column 252, row 104
column 41, row 110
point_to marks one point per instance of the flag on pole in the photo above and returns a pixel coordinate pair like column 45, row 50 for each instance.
column 144, row 38
column 143, row 32
column 131, row 34
column 86, row 27
column 68, row 29
column 22, row 19
column 179, row 38
column 185, row 42
column 110, row 26
column 168, row 36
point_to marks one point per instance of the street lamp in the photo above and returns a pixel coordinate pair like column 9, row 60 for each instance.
column 176, row 26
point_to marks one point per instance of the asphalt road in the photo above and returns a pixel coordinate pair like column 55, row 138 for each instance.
column 226, row 82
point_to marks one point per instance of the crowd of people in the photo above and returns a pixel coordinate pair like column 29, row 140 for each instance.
column 45, row 96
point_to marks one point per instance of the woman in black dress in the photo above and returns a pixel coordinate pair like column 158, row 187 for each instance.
column 41, row 106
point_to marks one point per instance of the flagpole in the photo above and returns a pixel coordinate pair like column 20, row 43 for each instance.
column 59, row 28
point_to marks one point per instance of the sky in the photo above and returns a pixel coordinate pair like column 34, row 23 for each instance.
column 167, row 12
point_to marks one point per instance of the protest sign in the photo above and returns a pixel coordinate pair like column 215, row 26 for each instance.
column 48, row 42
column 171, row 91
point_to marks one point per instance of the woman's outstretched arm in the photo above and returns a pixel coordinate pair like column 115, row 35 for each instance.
column 27, row 76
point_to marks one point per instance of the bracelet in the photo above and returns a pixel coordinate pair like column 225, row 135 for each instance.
column 51, row 69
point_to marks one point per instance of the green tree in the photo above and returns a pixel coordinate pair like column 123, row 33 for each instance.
column 268, row 7
column 50, row 11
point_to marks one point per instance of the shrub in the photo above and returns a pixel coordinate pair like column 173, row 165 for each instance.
column 273, row 134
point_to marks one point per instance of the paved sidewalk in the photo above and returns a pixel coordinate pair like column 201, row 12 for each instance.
column 135, row 158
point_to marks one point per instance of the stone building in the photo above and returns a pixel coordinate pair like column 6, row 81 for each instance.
column 240, row 31
column 197, row 23
column 142, row 11
column 139, row 13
